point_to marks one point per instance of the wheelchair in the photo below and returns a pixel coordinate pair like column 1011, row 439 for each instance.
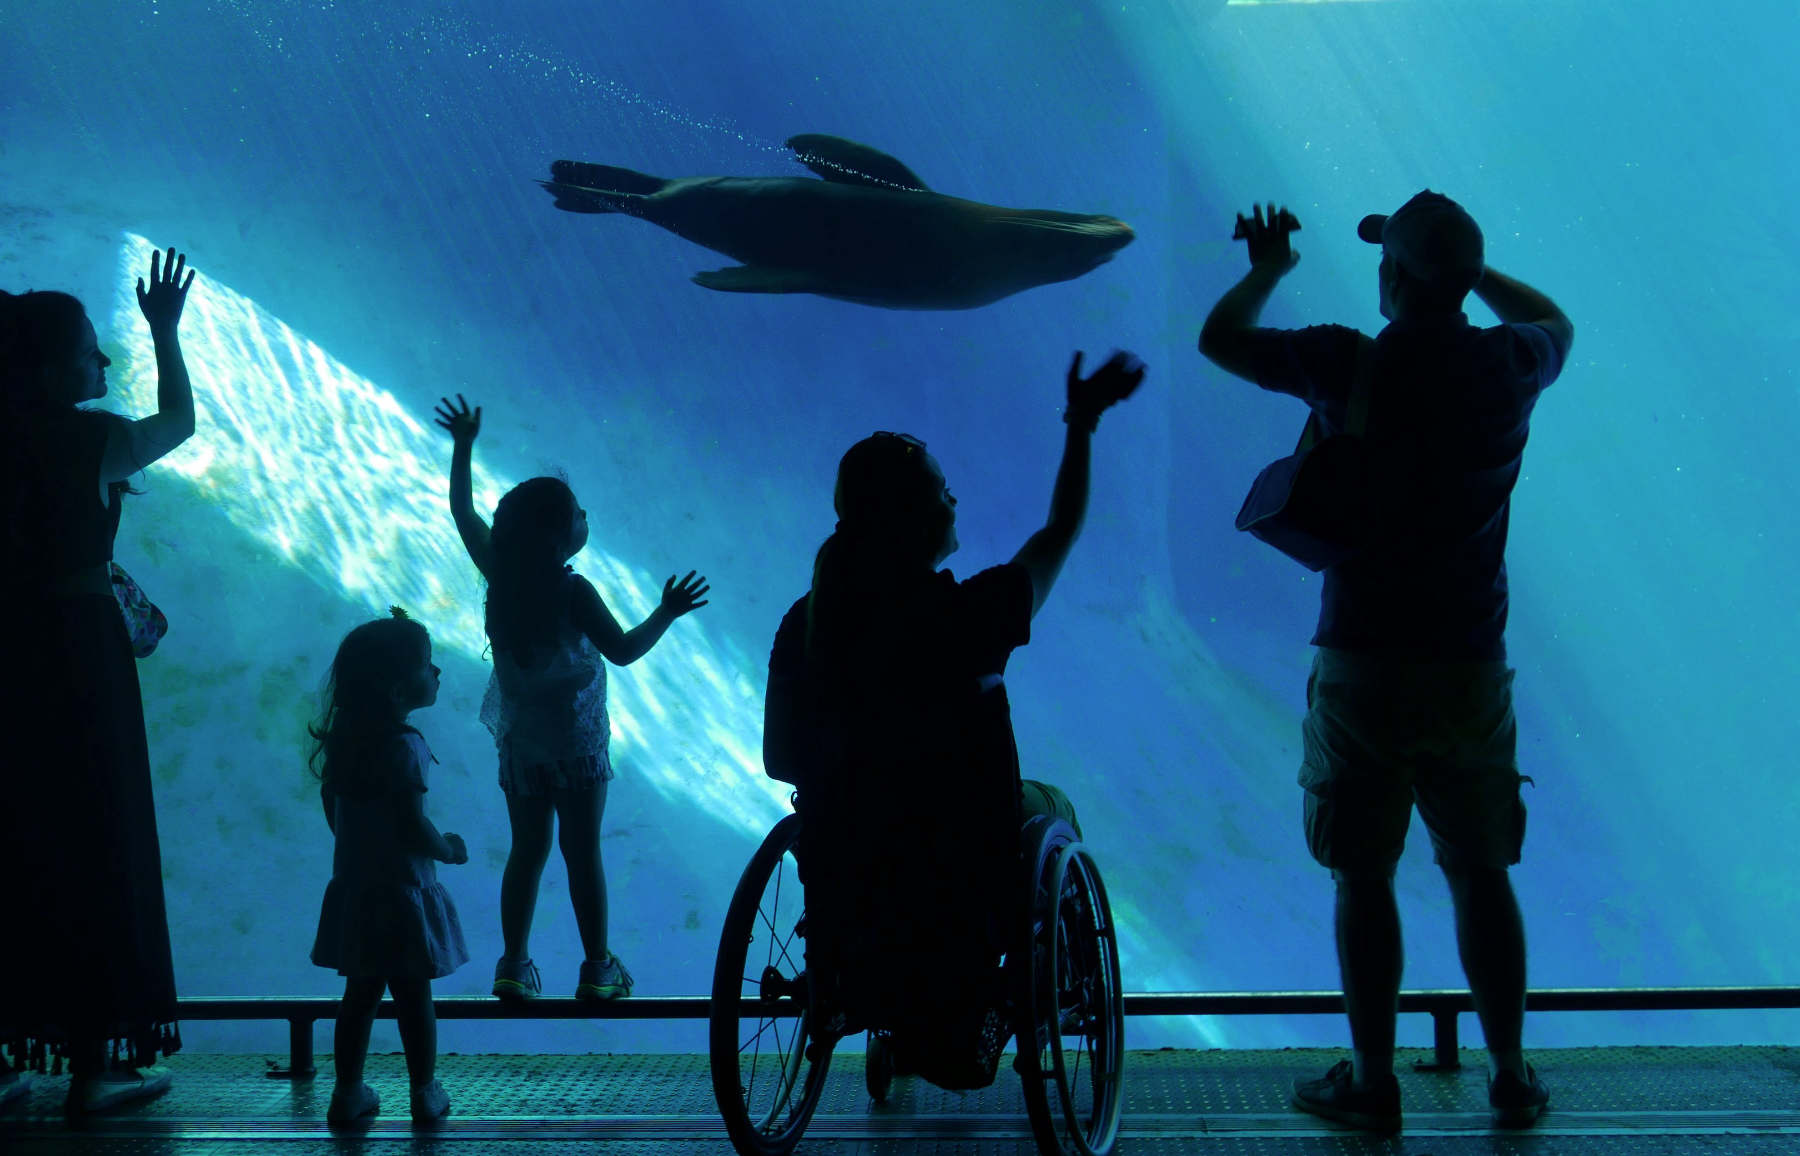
column 771, row 1040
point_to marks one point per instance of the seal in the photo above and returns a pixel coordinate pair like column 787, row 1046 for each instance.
column 868, row 232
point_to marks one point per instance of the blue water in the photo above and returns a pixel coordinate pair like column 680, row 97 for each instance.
column 356, row 189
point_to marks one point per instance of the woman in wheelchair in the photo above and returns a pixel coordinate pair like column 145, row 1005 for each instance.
column 887, row 710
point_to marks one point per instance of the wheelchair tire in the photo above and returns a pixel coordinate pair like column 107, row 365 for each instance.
column 878, row 1066
column 763, row 930
column 1071, row 988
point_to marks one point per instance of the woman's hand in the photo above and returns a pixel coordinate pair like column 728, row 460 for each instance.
column 1112, row 383
column 459, row 851
column 162, row 302
column 462, row 423
column 688, row 594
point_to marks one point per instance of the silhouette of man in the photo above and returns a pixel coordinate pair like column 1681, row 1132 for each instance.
column 1410, row 696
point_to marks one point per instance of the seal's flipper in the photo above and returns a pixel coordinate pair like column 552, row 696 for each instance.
column 847, row 162
column 760, row 279
column 580, row 187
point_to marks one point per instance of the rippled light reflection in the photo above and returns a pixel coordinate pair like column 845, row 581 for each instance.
column 331, row 471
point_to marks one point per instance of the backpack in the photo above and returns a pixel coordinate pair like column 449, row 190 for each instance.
column 1315, row 505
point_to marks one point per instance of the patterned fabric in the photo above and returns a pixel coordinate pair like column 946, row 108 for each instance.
column 143, row 620
column 563, row 775
column 553, row 712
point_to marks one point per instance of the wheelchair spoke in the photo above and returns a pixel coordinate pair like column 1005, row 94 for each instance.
column 768, row 1025
column 767, row 1073
column 768, row 918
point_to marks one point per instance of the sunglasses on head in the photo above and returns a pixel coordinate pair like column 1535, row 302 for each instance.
column 907, row 439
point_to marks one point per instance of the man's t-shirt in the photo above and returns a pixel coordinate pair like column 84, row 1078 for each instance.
column 905, row 747
column 1449, row 412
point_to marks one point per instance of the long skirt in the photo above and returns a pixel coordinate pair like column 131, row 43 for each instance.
column 86, row 959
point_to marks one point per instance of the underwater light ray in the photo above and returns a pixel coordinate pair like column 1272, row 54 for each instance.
column 341, row 482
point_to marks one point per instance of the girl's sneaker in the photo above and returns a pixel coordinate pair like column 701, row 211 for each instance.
column 516, row 981
column 430, row 1103
column 116, row 1089
column 1517, row 1103
column 350, row 1104
column 14, row 1085
column 603, row 979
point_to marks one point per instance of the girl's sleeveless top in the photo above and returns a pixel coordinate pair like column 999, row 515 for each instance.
column 554, row 709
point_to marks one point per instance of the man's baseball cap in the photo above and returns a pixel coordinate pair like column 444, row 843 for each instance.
column 1433, row 238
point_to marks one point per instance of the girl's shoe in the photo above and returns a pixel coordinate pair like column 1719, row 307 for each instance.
column 350, row 1104
column 1517, row 1103
column 516, row 981
column 116, row 1089
column 15, row 1086
column 603, row 979
column 430, row 1103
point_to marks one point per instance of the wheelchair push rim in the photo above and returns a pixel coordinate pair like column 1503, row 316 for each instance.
column 769, row 1065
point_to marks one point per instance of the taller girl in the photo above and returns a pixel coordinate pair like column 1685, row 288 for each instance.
column 546, row 702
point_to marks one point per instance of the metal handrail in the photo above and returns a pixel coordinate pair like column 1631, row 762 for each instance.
column 1443, row 1006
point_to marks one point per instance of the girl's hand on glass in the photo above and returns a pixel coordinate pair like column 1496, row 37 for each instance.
column 681, row 597
column 162, row 301
column 459, row 851
column 461, row 422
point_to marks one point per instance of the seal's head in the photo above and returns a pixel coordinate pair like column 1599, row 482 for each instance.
column 1044, row 245
column 1431, row 254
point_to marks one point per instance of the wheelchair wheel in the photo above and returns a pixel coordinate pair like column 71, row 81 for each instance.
column 878, row 1069
column 768, row 1067
column 1073, row 1063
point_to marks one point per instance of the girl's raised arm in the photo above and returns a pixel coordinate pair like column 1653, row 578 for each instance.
column 624, row 647
column 464, row 425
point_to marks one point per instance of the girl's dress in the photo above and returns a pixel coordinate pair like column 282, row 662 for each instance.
column 86, row 953
column 385, row 914
column 549, row 719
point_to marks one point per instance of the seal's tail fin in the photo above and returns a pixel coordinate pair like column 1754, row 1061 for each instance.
column 580, row 187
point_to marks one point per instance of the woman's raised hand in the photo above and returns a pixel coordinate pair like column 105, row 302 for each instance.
column 462, row 423
column 681, row 597
column 1112, row 383
column 167, row 293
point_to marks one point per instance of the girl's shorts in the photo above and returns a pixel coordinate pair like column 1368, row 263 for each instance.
column 574, row 774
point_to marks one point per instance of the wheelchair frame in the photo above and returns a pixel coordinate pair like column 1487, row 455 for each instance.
column 1063, row 975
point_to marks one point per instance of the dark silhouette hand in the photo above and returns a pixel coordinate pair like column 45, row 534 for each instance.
column 680, row 598
column 1112, row 383
column 462, row 423
column 459, row 851
column 1268, row 237
column 162, row 302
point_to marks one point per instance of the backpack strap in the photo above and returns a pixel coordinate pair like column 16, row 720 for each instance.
column 1360, row 374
